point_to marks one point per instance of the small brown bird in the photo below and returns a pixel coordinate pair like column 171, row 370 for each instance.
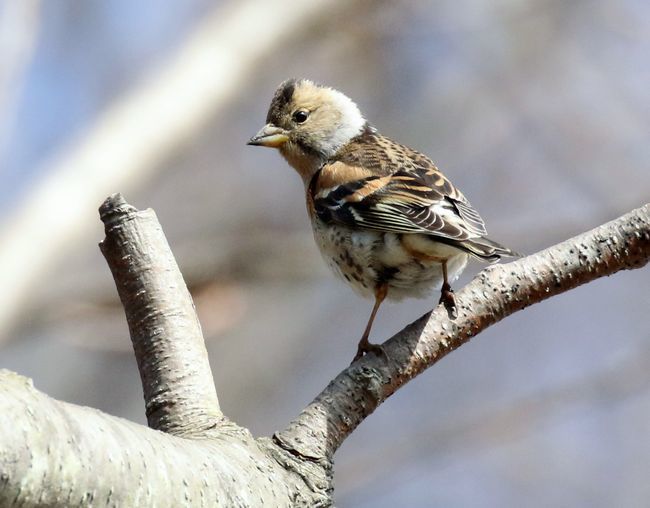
column 384, row 217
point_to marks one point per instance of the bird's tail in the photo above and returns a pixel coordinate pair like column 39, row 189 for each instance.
column 486, row 249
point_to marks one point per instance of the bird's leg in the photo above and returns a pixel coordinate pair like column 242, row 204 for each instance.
column 364, row 345
column 447, row 297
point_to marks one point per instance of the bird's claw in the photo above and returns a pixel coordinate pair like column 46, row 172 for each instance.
column 367, row 347
column 448, row 299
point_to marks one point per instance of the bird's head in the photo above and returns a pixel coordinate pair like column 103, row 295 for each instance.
column 309, row 123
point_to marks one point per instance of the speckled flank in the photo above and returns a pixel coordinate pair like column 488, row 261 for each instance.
column 365, row 259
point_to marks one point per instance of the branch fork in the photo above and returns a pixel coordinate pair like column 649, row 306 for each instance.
column 195, row 456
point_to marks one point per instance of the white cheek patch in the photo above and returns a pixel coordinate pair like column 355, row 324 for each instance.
column 349, row 125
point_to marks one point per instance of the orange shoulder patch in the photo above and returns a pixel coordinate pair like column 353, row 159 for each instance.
column 339, row 173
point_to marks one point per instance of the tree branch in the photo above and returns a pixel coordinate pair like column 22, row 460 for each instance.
column 60, row 455
column 180, row 397
column 494, row 294
column 51, row 453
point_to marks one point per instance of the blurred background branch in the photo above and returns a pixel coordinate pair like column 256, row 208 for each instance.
column 142, row 129
column 19, row 27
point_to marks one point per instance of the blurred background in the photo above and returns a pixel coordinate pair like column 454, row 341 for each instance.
column 539, row 111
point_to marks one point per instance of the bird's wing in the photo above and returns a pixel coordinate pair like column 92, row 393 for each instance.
column 391, row 188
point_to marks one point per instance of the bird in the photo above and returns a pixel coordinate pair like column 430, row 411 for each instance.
column 384, row 217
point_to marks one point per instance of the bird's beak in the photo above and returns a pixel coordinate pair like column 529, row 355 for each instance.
column 270, row 136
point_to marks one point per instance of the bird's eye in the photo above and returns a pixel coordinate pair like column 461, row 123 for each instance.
column 300, row 116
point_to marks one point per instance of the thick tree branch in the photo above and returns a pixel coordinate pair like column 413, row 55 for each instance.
column 494, row 294
column 54, row 454
column 51, row 453
column 180, row 397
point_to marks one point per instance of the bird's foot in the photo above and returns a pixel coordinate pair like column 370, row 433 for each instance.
column 367, row 347
column 448, row 299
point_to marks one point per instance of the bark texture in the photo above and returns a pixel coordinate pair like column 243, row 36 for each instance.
column 58, row 454
column 180, row 397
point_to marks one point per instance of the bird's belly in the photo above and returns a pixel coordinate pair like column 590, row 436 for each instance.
column 411, row 265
